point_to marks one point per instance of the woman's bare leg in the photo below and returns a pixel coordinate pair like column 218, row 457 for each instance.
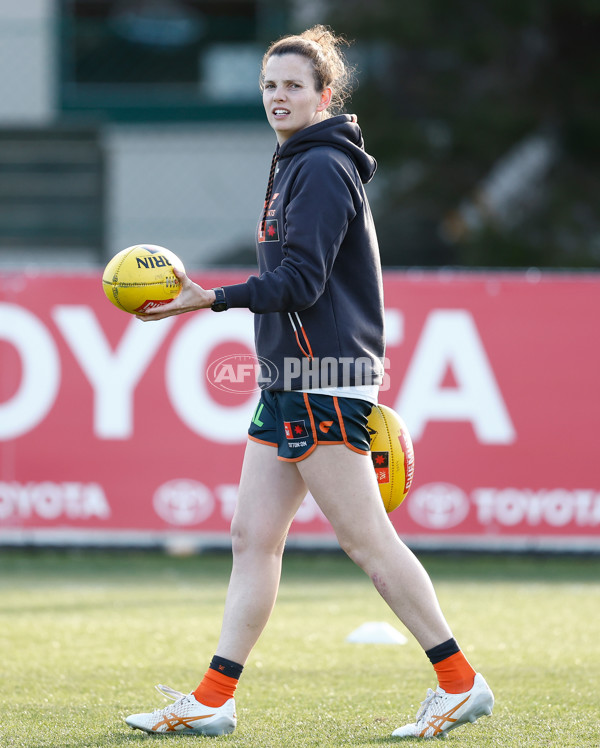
column 269, row 496
column 349, row 497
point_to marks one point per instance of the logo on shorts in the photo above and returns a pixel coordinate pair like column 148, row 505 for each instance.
column 294, row 429
column 381, row 463
column 324, row 426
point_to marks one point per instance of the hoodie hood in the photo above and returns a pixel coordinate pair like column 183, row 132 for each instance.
column 340, row 132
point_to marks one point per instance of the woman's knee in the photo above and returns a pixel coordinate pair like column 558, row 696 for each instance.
column 368, row 547
column 354, row 547
column 251, row 539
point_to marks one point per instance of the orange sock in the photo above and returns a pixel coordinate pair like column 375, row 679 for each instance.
column 455, row 674
column 215, row 688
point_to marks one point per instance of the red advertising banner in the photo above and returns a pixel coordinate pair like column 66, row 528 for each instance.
column 117, row 432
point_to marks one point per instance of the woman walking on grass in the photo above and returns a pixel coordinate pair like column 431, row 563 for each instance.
column 318, row 295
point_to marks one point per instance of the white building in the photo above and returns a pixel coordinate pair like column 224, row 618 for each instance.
column 195, row 186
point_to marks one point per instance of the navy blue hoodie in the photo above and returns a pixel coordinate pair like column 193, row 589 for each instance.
column 318, row 298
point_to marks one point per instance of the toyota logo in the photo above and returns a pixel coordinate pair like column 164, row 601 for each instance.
column 183, row 502
column 438, row 506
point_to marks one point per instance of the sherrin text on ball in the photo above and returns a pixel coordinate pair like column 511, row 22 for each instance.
column 141, row 278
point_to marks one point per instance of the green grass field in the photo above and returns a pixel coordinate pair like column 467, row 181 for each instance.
column 86, row 635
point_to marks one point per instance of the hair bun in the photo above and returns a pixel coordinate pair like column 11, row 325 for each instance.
column 324, row 48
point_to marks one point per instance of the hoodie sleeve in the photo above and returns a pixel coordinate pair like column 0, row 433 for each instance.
column 324, row 199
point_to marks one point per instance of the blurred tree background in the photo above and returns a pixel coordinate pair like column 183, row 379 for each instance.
column 485, row 119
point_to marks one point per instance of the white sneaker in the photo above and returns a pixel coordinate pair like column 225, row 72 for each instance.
column 441, row 711
column 186, row 716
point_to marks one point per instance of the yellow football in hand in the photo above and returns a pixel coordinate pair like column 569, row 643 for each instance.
column 141, row 278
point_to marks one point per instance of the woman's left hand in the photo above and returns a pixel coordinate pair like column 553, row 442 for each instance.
column 191, row 298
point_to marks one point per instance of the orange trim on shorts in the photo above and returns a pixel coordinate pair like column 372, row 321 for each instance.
column 313, row 428
column 322, row 444
column 316, row 441
column 262, row 441
column 298, row 459
column 336, row 405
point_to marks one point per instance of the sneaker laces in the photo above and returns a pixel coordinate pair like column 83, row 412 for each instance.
column 169, row 693
column 427, row 703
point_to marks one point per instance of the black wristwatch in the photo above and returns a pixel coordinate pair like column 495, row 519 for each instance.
column 220, row 303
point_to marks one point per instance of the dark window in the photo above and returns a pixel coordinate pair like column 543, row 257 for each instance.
column 164, row 59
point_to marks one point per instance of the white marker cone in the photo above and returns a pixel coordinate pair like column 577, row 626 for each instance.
column 376, row 632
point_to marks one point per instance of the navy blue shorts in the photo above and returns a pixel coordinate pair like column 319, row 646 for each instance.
column 296, row 422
